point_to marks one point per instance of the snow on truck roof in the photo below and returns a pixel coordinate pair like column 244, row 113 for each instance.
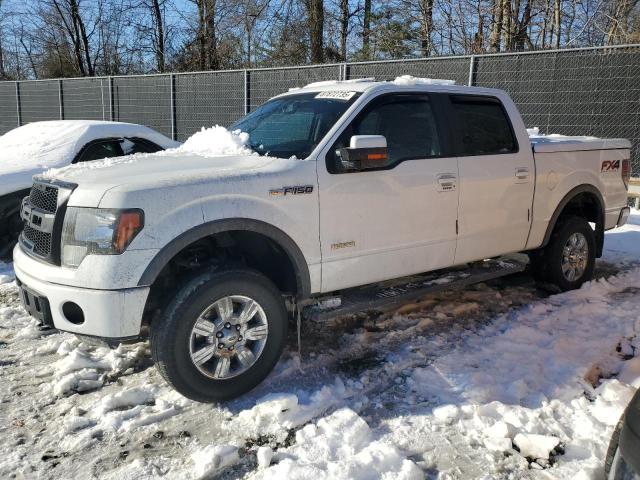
column 367, row 84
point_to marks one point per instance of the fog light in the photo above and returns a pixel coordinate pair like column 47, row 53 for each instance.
column 73, row 313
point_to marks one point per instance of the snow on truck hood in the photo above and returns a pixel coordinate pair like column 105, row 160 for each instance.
column 210, row 154
column 36, row 147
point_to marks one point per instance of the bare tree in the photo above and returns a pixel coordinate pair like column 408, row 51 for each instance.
column 366, row 28
column 315, row 14
column 496, row 25
column 619, row 25
column 158, row 23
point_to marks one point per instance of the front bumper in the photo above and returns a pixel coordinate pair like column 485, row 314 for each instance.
column 115, row 314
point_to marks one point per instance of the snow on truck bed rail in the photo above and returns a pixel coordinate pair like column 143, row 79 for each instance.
column 555, row 142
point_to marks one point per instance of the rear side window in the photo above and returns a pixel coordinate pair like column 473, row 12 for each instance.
column 138, row 145
column 483, row 125
column 101, row 149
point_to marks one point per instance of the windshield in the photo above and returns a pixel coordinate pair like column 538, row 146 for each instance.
column 295, row 124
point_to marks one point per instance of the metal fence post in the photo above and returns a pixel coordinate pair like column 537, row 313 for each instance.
column 247, row 91
column 18, row 108
column 61, row 99
column 472, row 70
column 111, row 102
column 172, row 106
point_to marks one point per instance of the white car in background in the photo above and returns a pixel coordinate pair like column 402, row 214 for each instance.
column 39, row 146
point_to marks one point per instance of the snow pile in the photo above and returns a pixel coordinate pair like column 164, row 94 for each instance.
column 213, row 459
column 81, row 368
column 410, row 81
column 340, row 446
column 330, row 83
column 276, row 413
column 532, row 385
column 216, row 141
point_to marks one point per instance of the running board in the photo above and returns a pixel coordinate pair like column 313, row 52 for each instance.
column 399, row 292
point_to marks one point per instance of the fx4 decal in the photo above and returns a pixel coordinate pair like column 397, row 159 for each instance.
column 293, row 190
column 610, row 166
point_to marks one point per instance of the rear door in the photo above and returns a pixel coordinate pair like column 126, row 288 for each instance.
column 496, row 179
column 397, row 220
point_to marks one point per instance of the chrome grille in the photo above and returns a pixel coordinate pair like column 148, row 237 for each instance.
column 44, row 198
column 43, row 212
column 41, row 241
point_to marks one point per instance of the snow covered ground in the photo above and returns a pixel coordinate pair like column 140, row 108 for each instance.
column 502, row 380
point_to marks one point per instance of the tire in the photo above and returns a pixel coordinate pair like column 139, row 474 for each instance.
column 569, row 269
column 613, row 448
column 180, row 352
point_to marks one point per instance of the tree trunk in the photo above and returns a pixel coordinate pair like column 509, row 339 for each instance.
column 83, row 39
column 478, row 41
column 159, row 43
column 426, row 26
column 72, row 31
column 545, row 25
column 620, row 20
column 496, row 30
column 522, row 27
column 506, row 27
column 202, row 35
column 212, row 41
column 366, row 29
column 3, row 72
column 344, row 28
column 315, row 10
column 556, row 23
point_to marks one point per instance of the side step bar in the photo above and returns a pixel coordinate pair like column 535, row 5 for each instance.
column 396, row 293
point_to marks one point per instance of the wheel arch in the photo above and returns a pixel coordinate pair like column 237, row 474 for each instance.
column 582, row 197
column 274, row 234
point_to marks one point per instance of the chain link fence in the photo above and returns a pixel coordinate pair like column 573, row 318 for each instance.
column 594, row 91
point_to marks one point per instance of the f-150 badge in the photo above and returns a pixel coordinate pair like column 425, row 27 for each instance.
column 293, row 190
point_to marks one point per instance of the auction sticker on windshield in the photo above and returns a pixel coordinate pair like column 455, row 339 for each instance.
column 336, row 95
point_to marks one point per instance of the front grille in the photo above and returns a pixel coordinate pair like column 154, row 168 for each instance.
column 46, row 199
column 41, row 241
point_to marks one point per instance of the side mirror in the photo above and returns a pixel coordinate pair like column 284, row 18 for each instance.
column 365, row 152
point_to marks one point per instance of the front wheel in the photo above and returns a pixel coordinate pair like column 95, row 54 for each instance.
column 569, row 259
column 221, row 335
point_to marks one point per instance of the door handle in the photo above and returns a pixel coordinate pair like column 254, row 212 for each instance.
column 447, row 182
column 522, row 173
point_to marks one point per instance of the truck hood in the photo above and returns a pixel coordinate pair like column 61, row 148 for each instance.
column 159, row 170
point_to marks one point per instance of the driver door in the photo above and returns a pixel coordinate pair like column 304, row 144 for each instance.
column 396, row 220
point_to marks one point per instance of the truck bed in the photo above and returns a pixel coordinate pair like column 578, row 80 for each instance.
column 562, row 143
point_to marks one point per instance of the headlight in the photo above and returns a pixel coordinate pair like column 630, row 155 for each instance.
column 98, row 231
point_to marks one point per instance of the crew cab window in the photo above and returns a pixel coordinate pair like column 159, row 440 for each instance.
column 407, row 122
column 483, row 126
column 100, row 149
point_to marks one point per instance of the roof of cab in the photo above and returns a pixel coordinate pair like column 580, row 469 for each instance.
column 403, row 82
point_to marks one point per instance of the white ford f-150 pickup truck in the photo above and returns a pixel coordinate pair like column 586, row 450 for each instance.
column 333, row 187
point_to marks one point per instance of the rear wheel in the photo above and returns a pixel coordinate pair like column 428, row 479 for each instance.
column 221, row 335
column 569, row 259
